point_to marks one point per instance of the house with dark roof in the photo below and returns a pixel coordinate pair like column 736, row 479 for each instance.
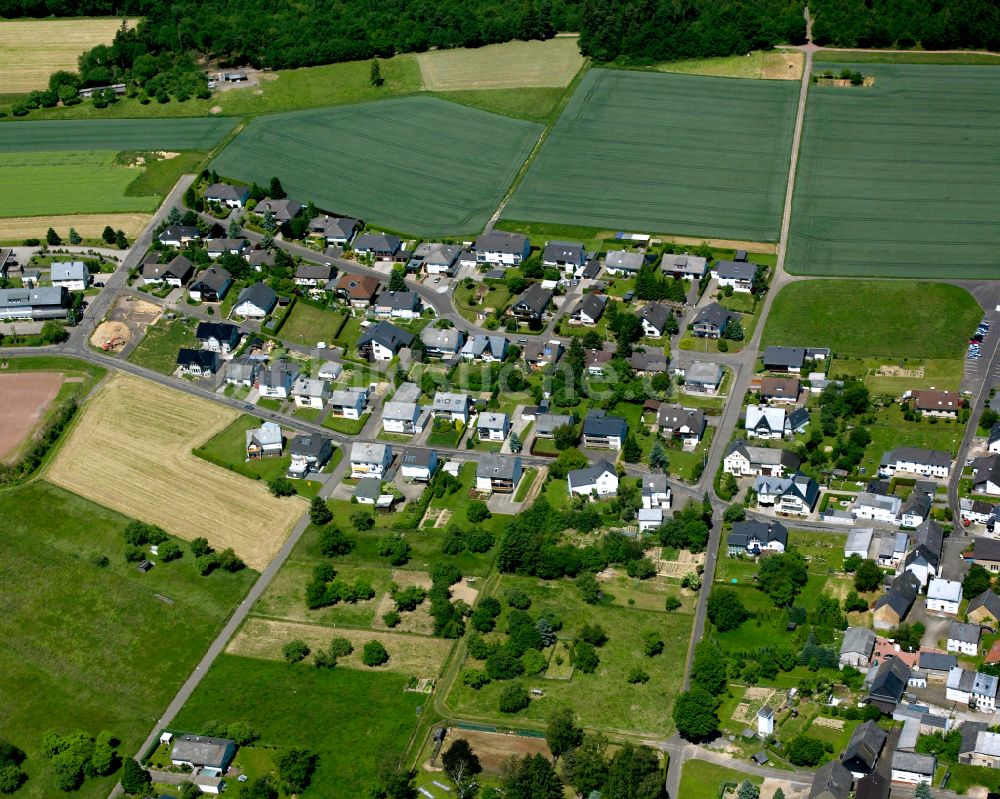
column 539, row 354
column 418, row 464
column 795, row 495
column 595, row 361
column 754, row 537
column 601, row 430
column 889, row 684
column 313, row 275
column 569, row 256
column 546, row 424
column 915, row 460
column 217, row 336
column 335, row 229
column 378, row 245
column 211, row 285
column 398, row 305
column 891, row 608
column 198, row 363
column 993, row 440
column 255, row 302
column 687, row 424
column 203, row 753
column 986, row 474
column 484, row 347
column 864, row 749
column 532, row 303
column 258, row 258
column 501, row 249
column 738, row 274
column 275, row 380
column 912, row 767
column 782, row 390
column 598, row 480
column 383, row 341
column 784, row 359
column 935, row 666
column 358, row 290
column 916, row 508
column 654, row 319
column 589, row 309
column 178, row 235
column 979, row 746
column 743, row 460
column 986, row 552
column 435, row 259
column 963, row 639
column 857, row 647
column 831, row 781
column 227, row 195
column 216, row 248
column 649, row 362
column 711, row 321
column 683, row 265
column 933, row 402
column 310, row 453
column 176, row 273
column 283, row 210
column 498, row 474
column 985, row 609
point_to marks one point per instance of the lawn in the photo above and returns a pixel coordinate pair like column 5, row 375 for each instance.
column 294, row 705
column 307, row 324
column 899, row 179
column 158, row 348
column 873, row 318
column 703, row 780
column 942, row 373
column 527, row 479
column 891, row 430
column 90, row 647
column 416, row 164
column 349, row 427
column 502, row 66
column 602, row 699
column 964, row 777
column 676, row 168
column 64, row 182
column 124, row 134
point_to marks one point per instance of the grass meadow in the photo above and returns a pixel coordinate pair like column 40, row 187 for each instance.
column 683, row 154
column 350, row 719
column 90, row 647
column 415, row 164
column 873, row 318
column 703, row 780
column 517, row 64
column 900, row 179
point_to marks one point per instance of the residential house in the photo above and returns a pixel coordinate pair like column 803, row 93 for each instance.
column 891, row 608
column 798, row 420
column 984, row 609
column 565, row 255
column 335, row 229
column 889, row 684
column 986, row 552
column 539, row 354
column 859, row 542
column 944, row 596
column 687, row 424
column 589, row 309
column 358, row 290
column 993, row 441
column 795, row 495
column 738, row 274
column 831, row 781
column 368, row 490
column 877, row 508
column 313, row 275
column 932, row 402
column 381, row 246
column 493, row 426
column 399, row 305
column 348, row 403
column 784, row 359
column 210, row 756
column 418, row 465
column 857, row 647
column 654, row 319
column 779, row 389
column 276, row 379
column 498, row 474
column 178, row 235
column 655, row 492
column 242, row 372
column 972, row 688
column 690, row 267
column 914, row 460
column 308, row 392
column 601, row 430
column 711, row 321
column 310, row 453
column 891, row 549
column 597, row 480
column 227, row 195
column 211, row 285
column 255, row 302
column 546, row 424
column 624, row 262
column 765, row 722
column 258, row 258
column 486, row 348
column 916, row 509
column 72, row 275
column 925, row 559
column 264, row 442
column 199, row 363
column 964, row 638
column 369, row 459
column 283, row 210
column 7, row 261
column 986, row 474
column 501, row 249
column 532, row 303
column 383, row 341
column 452, row 406
column 765, row 422
column 743, row 460
column 864, row 748
column 935, row 666
column 30, row 278
column 978, row 511
column 176, row 273
column 216, row 248
column 407, row 392
column 649, row 363
column 435, row 259
column 979, row 747
column 913, row 768
column 755, row 537
column 330, row 370
column 401, row 417
column 703, row 378
column 217, row 336
column 440, row 343
column 595, row 361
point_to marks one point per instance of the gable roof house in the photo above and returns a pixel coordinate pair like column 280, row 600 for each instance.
column 916, row 508
column 211, row 285
column 601, row 430
column 276, row 379
column 624, row 262
column 309, row 392
column 913, row 768
column 993, row 440
column 779, row 389
column 891, row 608
column 284, row 210
column 859, row 542
column 203, row 753
column 499, row 248
column 72, row 275
column 401, row 417
column 313, row 275
column 654, row 319
column 753, row 537
column 964, row 638
column 589, row 309
column 914, row 460
column 383, row 341
column 690, row 267
column 177, row 235
column 831, row 781
column 199, row 363
column 539, row 354
column 399, row 305
column 980, row 747
column 348, row 403
column 310, row 453
column 795, row 495
column 687, row 424
column 498, row 474
column 889, row 684
column 711, row 321
column 986, row 552
column 335, row 229
column 972, row 688
column 765, row 422
column 176, row 273
column 655, row 492
column 532, row 303
column 877, row 507
column 242, row 371
column 440, row 343
column 487, row 348
column 378, row 245
column 944, row 596
column 547, row 423
column 703, row 377
column 857, row 647
column 595, row 361
column 567, row 256
column 435, row 259
column 743, row 460
column 738, row 274
column 649, row 363
column 370, row 459
column 784, row 359
column 451, row 405
column 597, row 480
column 358, row 290
column 493, row 426
column 217, row 336
column 258, row 258
column 986, row 474
column 264, row 442
column 255, row 302
column 864, row 749
column 216, row 248
column 932, row 402
column 985, row 608
column 227, row 195
column 418, row 464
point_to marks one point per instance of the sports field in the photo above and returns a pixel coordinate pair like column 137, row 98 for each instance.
column 873, row 318
column 900, row 179
column 682, row 154
column 131, row 450
column 196, row 133
column 24, row 398
column 32, row 49
column 417, row 164
column 502, row 66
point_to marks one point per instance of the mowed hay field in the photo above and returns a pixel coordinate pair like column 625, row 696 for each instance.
column 90, row 226
column 900, row 179
column 873, row 317
column 195, row 133
column 131, row 450
column 417, row 164
column 32, row 49
column 502, row 66
column 679, row 154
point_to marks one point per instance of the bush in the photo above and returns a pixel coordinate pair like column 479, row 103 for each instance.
column 332, row 541
column 294, row 651
column 477, row 512
column 518, row 599
column 652, row 644
column 393, row 547
column 513, row 699
column 169, row 551
column 671, row 603
column 504, row 665
column 805, row 751
column 134, row 778
column 533, row 662
column 641, row 569
column 134, row 554
column 637, row 674
column 391, row 619
column 281, row 486
column 475, row 678
column 199, row 546
column 362, row 520
column 593, row 634
column 374, row 654
column 585, row 658
column 725, row 610
column 340, row 647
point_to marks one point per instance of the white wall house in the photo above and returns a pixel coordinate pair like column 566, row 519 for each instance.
column 944, row 596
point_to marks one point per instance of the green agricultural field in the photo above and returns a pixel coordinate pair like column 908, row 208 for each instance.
column 900, row 179
column 117, row 134
column 873, row 318
column 688, row 155
column 417, row 164
column 350, row 719
column 91, row 647
column 49, row 183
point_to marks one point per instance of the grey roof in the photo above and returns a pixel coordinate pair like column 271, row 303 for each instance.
column 932, row 457
column 890, row 504
column 735, row 270
column 443, row 340
column 498, row 241
column 648, row 362
column 654, row 484
column 260, row 294
column 859, row 540
column 684, row 264
column 480, row 343
column 388, row 335
column 598, row 423
column 283, row 209
column 703, row 372
column 225, row 245
column 400, row 411
column 377, row 242
column 309, row 445
column 418, row 457
column 966, row 633
column 535, row 298
column 179, row 232
column 655, row 314
column 68, row 270
column 784, row 356
column 267, row 434
column 201, row 750
column 592, row 305
column 314, row 272
column 902, row 594
column 179, row 267
column 798, row 484
column 221, row 331
column 986, row 548
column 348, row 398
column 986, row 468
column 499, row 466
column 546, row 423
column 715, row 315
column 675, row 416
column 449, row 402
column 766, row 456
column 492, row 421
column 563, row 251
column 798, row 418
column 865, row 746
column 914, row 762
column 589, row 474
column 215, row 278
column 831, row 781
column 937, row 661
column 407, row 392
column 917, row 504
column 259, row 257
column 858, row 639
column 625, row 260
column 988, row 599
column 765, row 532
column 430, row 252
column 542, row 351
column 890, row 680
column 994, row 433
column 368, row 488
column 226, row 191
column 369, row 452
column 335, row 226
column 970, row 735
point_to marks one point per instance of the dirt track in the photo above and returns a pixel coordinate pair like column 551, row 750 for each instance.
column 24, row 398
